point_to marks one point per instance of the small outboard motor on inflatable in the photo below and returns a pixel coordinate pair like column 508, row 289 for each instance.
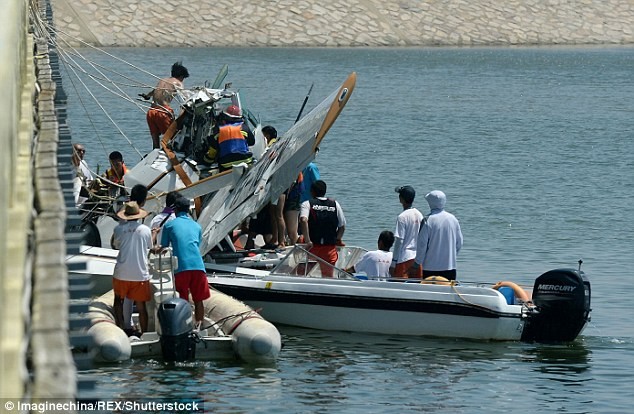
column 178, row 341
column 562, row 300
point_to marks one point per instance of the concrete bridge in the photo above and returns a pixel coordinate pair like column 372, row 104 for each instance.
column 38, row 322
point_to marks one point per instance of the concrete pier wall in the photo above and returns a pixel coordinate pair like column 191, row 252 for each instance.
column 38, row 324
column 344, row 22
column 16, row 193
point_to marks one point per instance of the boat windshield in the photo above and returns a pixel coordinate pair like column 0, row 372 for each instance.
column 301, row 263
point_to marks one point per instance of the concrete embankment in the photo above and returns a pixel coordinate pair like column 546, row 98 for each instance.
column 38, row 325
column 345, row 22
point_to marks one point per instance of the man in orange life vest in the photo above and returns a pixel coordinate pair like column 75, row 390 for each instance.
column 115, row 173
column 231, row 144
column 323, row 225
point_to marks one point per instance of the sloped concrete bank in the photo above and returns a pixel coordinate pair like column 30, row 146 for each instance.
column 334, row 23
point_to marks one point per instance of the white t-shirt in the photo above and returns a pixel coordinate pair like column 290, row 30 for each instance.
column 375, row 264
column 407, row 227
column 133, row 240
column 83, row 177
column 85, row 171
column 158, row 223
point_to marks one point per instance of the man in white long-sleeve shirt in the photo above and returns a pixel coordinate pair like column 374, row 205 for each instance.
column 439, row 241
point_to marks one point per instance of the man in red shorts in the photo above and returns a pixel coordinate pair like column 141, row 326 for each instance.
column 185, row 236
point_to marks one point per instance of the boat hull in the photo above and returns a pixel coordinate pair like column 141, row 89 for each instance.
column 381, row 307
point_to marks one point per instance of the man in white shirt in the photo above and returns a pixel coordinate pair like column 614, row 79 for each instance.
column 439, row 240
column 376, row 263
column 82, row 178
column 164, row 216
column 405, row 236
column 131, row 278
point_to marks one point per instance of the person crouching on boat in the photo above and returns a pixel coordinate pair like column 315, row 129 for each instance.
column 323, row 225
column 160, row 115
column 231, row 144
column 131, row 278
column 376, row 263
column 185, row 236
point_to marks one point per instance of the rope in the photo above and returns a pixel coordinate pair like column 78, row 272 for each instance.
column 68, row 56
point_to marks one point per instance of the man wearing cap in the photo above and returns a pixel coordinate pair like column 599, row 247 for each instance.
column 406, row 234
column 231, row 143
column 440, row 239
column 131, row 274
column 185, row 236
column 323, row 225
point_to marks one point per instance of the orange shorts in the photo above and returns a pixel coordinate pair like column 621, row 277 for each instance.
column 137, row 291
column 402, row 270
column 159, row 119
column 328, row 253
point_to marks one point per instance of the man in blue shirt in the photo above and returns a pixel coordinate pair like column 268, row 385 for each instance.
column 185, row 236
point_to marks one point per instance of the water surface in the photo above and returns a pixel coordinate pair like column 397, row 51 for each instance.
column 534, row 148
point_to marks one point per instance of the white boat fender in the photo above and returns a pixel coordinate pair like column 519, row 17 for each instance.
column 255, row 339
column 111, row 343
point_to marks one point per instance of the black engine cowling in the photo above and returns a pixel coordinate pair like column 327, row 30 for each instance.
column 562, row 299
column 178, row 341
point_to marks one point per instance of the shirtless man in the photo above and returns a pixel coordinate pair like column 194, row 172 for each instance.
column 161, row 115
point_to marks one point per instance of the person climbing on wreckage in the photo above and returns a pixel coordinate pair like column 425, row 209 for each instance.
column 160, row 115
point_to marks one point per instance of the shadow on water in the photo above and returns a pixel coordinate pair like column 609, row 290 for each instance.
column 559, row 360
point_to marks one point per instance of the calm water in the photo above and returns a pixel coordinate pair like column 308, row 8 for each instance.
column 535, row 151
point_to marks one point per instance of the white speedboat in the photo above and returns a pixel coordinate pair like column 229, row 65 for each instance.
column 295, row 293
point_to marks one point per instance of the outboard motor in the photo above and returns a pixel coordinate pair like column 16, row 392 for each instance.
column 562, row 300
column 178, row 341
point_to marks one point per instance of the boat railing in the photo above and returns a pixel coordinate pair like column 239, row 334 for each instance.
column 300, row 262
